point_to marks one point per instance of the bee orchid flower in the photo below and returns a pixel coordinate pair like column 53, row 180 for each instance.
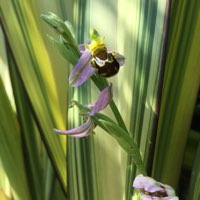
column 87, row 128
column 95, row 57
column 150, row 189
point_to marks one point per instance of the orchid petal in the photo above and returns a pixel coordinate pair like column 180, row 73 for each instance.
column 103, row 99
column 154, row 188
column 149, row 185
column 85, row 74
column 140, row 181
column 83, row 70
column 170, row 191
column 83, row 129
column 81, row 47
column 120, row 58
column 87, row 132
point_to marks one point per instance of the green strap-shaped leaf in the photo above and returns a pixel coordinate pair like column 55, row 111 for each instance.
column 62, row 28
column 11, row 148
column 31, row 142
column 125, row 141
column 194, row 190
column 35, row 70
column 65, row 52
column 180, row 89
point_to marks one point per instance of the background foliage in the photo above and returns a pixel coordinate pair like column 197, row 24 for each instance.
column 156, row 93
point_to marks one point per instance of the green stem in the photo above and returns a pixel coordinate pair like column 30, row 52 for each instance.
column 117, row 115
column 101, row 83
column 123, row 139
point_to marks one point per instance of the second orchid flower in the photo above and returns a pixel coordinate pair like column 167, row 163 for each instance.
column 88, row 127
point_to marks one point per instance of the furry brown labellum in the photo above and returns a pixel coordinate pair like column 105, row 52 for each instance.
column 105, row 63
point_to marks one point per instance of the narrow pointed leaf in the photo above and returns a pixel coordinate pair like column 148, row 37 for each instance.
column 29, row 133
column 11, row 149
column 66, row 53
column 180, row 90
column 35, row 70
column 126, row 142
column 61, row 27
column 194, row 190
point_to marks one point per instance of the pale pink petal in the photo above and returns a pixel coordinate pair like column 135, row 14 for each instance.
column 103, row 100
column 81, row 130
column 83, row 70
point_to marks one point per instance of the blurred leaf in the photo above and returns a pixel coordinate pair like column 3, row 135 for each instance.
column 181, row 85
column 140, row 81
column 35, row 71
column 11, row 148
column 33, row 149
column 3, row 196
column 52, row 188
column 125, row 142
column 194, row 190
column 190, row 150
column 4, row 182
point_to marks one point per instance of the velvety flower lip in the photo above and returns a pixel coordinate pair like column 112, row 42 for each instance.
column 150, row 189
column 87, row 128
column 84, row 69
